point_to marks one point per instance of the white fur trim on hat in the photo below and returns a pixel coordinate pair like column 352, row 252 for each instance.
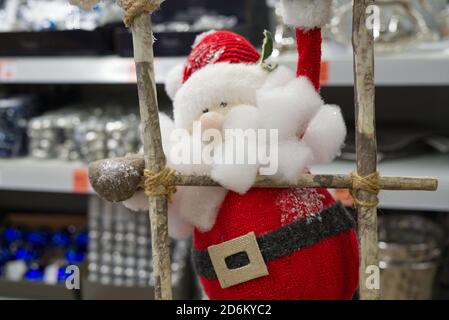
column 173, row 80
column 306, row 14
column 207, row 88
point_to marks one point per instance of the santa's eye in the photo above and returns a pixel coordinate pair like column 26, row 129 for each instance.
column 205, row 110
column 223, row 104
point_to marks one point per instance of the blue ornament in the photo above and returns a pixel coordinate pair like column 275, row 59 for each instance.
column 4, row 255
column 12, row 234
column 61, row 239
column 62, row 275
column 37, row 238
column 82, row 239
column 26, row 254
column 34, row 273
column 74, row 256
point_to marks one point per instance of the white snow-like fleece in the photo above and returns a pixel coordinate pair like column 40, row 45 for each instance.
column 288, row 108
column 326, row 134
column 138, row 202
column 306, row 14
column 199, row 206
column 173, row 80
column 278, row 77
column 178, row 227
column 213, row 85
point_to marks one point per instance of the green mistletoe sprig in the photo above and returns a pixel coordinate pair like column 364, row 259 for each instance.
column 267, row 51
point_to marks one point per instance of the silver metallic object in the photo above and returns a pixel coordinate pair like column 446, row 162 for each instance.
column 70, row 134
column 284, row 36
column 120, row 255
column 400, row 25
column 410, row 250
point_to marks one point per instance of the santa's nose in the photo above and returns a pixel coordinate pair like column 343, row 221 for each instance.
column 211, row 120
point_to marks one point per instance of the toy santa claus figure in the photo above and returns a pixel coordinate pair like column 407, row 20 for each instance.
column 261, row 243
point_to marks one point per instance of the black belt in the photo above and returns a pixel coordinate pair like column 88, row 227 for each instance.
column 286, row 240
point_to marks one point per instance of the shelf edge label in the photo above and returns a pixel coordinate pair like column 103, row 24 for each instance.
column 80, row 182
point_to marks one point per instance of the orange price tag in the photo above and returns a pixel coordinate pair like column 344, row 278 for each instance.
column 80, row 181
column 344, row 196
column 324, row 75
column 7, row 70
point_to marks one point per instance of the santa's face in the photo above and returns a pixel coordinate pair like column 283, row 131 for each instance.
column 212, row 92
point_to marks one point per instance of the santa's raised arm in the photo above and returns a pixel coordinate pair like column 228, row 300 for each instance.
column 326, row 132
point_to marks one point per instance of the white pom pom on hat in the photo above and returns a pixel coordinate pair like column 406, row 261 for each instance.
column 173, row 80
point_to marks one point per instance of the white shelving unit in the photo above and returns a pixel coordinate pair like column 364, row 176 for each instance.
column 77, row 70
column 68, row 177
column 424, row 68
column 43, row 176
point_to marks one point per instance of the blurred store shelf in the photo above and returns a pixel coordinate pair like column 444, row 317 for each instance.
column 68, row 177
column 425, row 166
column 43, row 176
column 77, row 70
column 413, row 68
column 418, row 68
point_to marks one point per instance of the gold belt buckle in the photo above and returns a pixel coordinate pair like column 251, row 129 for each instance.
column 256, row 267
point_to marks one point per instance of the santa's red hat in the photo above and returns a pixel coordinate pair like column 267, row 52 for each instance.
column 307, row 16
column 220, row 61
column 209, row 48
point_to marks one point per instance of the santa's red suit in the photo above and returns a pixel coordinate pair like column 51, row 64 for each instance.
column 325, row 269
column 307, row 241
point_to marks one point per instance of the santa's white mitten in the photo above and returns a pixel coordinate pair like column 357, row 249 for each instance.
column 232, row 167
column 326, row 134
column 237, row 178
column 306, row 14
column 294, row 157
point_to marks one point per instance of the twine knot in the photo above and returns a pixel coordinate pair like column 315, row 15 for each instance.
column 370, row 184
column 134, row 8
column 159, row 183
